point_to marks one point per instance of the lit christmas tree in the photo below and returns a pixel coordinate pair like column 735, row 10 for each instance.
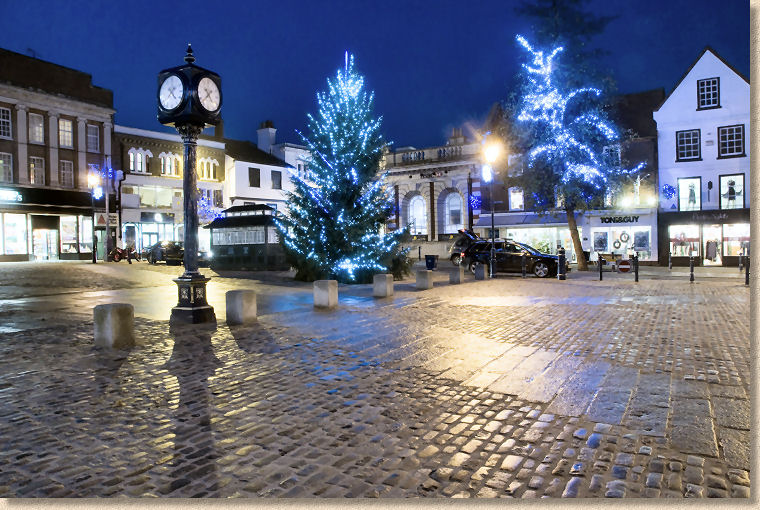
column 335, row 219
column 566, row 166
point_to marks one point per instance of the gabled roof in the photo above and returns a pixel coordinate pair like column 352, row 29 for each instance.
column 244, row 150
column 707, row 48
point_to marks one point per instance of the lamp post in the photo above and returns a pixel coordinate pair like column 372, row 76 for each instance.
column 490, row 153
column 93, row 182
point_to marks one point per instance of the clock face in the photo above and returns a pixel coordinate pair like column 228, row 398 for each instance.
column 171, row 92
column 208, row 93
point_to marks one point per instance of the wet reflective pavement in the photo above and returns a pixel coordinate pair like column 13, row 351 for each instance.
column 505, row 388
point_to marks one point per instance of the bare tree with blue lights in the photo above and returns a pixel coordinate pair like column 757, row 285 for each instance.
column 337, row 213
column 565, row 166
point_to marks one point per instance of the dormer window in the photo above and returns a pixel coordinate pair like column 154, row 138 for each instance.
column 708, row 93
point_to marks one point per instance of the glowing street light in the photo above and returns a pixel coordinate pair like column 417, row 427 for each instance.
column 491, row 153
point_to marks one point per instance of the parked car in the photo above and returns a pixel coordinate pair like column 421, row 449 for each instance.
column 465, row 239
column 467, row 256
column 508, row 259
column 170, row 252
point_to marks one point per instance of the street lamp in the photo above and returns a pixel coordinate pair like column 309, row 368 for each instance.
column 93, row 182
column 490, row 154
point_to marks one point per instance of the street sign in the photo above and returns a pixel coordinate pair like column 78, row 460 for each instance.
column 624, row 266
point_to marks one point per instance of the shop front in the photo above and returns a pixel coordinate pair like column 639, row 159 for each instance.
column 144, row 229
column 618, row 234
column 44, row 225
column 711, row 238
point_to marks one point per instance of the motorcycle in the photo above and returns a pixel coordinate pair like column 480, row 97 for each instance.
column 118, row 254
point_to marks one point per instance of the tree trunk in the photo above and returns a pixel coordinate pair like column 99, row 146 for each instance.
column 577, row 247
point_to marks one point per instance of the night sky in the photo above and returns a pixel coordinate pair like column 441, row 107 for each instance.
column 432, row 64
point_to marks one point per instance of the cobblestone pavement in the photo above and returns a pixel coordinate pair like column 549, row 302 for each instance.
column 506, row 388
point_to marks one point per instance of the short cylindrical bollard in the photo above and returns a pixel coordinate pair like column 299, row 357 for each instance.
column 691, row 268
column 670, row 261
column 524, row 265
column 419, row 253
column 600, row 262
column 480, row 272
column 457, row 276
column 741, row 263
column 561, row 264
column 636, row 268
column 241, row 306
column 746, row 269
column 114, row 325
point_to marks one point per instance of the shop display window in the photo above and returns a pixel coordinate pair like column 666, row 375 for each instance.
column 68, row 229
column 14, row 234
column 684, row 240
column 601, row 241
column 85, row 234
column 732, row 191
column 735, row 239
column 689, row 194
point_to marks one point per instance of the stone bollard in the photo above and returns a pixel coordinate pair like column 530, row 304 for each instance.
column 114, row 325
column 480, row 272
column 241, row 306
column 382, row 285
column 457, row 276
column 325, row 294
column 424, row 279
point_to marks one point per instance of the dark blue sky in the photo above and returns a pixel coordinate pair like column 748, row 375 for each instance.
column 432, row 64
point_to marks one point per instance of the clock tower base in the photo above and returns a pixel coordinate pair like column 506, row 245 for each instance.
column 192, row 307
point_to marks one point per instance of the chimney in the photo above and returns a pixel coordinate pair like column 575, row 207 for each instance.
column 266, row 134
column 219, row 130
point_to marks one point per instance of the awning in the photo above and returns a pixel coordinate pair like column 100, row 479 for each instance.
column 525, row 220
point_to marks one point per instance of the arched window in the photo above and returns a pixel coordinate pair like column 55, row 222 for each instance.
column 453, row 213
column 417, row 216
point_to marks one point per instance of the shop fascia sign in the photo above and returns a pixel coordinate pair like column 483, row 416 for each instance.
column 10, row 195
column 619, row 219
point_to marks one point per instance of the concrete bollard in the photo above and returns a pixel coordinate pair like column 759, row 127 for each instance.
column 241, row 306
column 325, row 293
column 480, row 272
column 114, row 325
column 424, row 279
column 382, row 285
column 457, row 276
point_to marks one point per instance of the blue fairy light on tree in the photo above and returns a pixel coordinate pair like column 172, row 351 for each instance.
column 337, row 214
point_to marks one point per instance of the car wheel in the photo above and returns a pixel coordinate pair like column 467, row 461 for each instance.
column 456, row 259
column 471, row 267
column 541, row 269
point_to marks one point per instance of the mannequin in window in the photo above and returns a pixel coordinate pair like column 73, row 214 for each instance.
column 692, row 196
column 731, row 193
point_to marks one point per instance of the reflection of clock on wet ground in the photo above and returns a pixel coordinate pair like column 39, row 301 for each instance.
column 189, row 94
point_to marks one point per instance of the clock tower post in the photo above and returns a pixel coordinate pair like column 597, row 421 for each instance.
column 189, row 99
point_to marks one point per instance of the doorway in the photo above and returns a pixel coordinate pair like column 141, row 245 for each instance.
column 712, row 236
column 45, row 244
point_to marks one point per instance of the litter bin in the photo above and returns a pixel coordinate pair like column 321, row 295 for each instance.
column 431, row 261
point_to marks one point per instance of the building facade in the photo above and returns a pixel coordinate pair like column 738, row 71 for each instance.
column 703, row 130
column 436, row 191
column 55, row 129
column 151, row 196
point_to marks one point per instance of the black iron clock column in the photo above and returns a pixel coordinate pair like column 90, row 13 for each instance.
column 189, row 98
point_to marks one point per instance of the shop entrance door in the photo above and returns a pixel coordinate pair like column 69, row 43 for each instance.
column 712, row 237
column 149, row 239
column 45, row 244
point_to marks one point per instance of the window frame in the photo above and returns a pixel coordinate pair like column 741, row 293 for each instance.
column 279, row 179
column 33, row 168
column 70, row 132
column 8, row 122
column 41, row 126
column 720, row 191
column 10, row 168
column 450, row 227
column 679, row 159
column 88, row 132
column 411, row 216
column 678, row 191
column 61, row 164
column 699, row 100
column 258, row 177
column 743, row 151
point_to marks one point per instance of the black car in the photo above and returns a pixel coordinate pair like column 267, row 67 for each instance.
column 508, row 259
column 170, row 252
column 465, row 239
column 467, row 255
